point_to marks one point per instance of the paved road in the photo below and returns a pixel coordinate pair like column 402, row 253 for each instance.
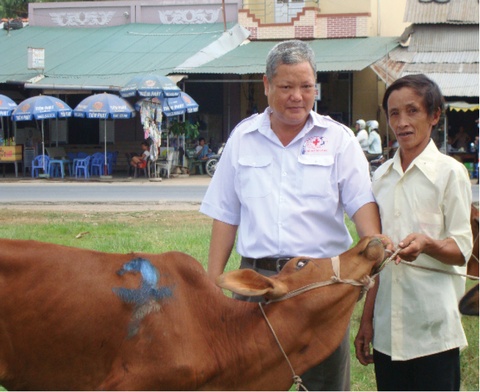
column 191, row 189
column 177, row 190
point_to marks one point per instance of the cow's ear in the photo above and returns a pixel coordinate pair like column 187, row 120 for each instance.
column 250, row 283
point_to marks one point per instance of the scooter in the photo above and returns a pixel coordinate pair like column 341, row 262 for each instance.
column 375, row 163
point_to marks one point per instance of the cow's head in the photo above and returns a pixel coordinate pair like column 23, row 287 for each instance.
column 468, row 305
column 355, row 264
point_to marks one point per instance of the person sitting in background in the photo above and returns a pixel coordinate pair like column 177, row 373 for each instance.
column 202, row 151
column 362, row 134
column 140, row 161
column 461, row 140
column 374, row 141
column 450, row 147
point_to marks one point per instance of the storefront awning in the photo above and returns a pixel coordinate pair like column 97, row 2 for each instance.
column 462, row 106
column 332, row 55
column 105, row 58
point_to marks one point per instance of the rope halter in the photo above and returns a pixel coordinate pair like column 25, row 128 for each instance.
column 366, row 283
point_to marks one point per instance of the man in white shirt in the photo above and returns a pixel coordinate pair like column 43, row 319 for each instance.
column 374, row 141
column 362, row 134
column 286, row 178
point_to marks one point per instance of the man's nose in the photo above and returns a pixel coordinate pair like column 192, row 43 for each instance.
column 296, row 93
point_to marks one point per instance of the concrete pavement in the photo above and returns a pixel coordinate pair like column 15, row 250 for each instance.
column 187, row 180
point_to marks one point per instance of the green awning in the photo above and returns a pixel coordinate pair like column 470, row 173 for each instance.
column 107, row 57
column 341, row 55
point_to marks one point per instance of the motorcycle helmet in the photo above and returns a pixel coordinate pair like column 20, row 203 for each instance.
column 372, row 124
column 361, row 123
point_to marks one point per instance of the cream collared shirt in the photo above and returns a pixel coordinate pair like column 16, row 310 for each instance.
column 416, row 311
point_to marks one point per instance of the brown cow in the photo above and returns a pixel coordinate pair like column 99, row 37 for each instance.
column 472, row 265
column 76, row 319
column 469, row 304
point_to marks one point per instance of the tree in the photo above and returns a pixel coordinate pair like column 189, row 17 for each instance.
column 14, row 8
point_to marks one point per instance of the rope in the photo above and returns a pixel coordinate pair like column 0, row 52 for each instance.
column 439, row 270
column 386, row 261
column 366, row 282
column 296, row 379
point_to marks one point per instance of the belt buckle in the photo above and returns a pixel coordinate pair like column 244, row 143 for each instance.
column 278, row 266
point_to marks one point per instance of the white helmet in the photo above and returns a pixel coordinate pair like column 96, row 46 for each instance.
column 372, row 124
column 361, row 123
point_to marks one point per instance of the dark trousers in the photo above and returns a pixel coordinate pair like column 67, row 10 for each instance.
column 333, row 374
column 437, row 372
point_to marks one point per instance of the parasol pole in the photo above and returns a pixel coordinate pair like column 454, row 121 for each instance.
column 43, row 149
column 56, row 127
column 105, row 167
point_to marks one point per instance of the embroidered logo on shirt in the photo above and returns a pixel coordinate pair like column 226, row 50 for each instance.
column 314, row 145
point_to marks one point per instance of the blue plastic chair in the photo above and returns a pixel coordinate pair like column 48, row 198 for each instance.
column 72, row 156
column 38, row 164
column 82, row 165
column 97, row 164
column 112, row 161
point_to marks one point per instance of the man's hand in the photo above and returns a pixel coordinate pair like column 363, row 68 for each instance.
column 362, row 343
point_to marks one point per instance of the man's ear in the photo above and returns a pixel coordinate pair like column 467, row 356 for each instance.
column 436, row 116
column 266, row 85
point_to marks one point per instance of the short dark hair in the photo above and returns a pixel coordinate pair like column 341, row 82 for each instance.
column 423, row 87
column 201, row 138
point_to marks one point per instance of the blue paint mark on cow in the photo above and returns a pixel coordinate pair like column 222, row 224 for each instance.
column 146, row 296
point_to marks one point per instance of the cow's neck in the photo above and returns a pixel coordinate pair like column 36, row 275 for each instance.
column 256, row 361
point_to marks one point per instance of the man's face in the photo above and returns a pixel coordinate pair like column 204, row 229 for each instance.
column 409, row 119
column 291, row 93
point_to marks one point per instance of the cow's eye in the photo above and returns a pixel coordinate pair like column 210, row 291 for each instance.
column 302, row 263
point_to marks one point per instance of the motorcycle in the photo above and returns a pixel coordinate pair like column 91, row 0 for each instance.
column 211, row 163
column 375, row 163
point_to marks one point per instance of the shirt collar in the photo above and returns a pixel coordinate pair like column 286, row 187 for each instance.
column 263, row 124
column 425, row 162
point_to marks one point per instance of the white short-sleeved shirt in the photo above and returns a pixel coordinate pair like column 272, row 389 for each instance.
column 362, row 137
column 289, row 200
column 374, row 143
column 416, row 311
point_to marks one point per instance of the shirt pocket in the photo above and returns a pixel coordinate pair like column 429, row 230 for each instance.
column 430, row 223
column 315, row 173
column 255, row 175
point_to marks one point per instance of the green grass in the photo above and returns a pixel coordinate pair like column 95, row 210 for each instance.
column 189, row 232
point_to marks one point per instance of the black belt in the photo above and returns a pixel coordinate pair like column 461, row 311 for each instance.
column 267, row 263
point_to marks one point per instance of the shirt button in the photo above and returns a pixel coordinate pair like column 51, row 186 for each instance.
column 397, row 213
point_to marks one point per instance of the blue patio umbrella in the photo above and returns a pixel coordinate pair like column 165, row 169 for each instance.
column 41, row 107
column 150, row 86
column 7, row 105
column 104, row 106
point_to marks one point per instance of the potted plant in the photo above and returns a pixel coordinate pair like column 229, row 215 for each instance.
column 187, row 128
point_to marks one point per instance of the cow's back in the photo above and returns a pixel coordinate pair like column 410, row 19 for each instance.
column 77, row 311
